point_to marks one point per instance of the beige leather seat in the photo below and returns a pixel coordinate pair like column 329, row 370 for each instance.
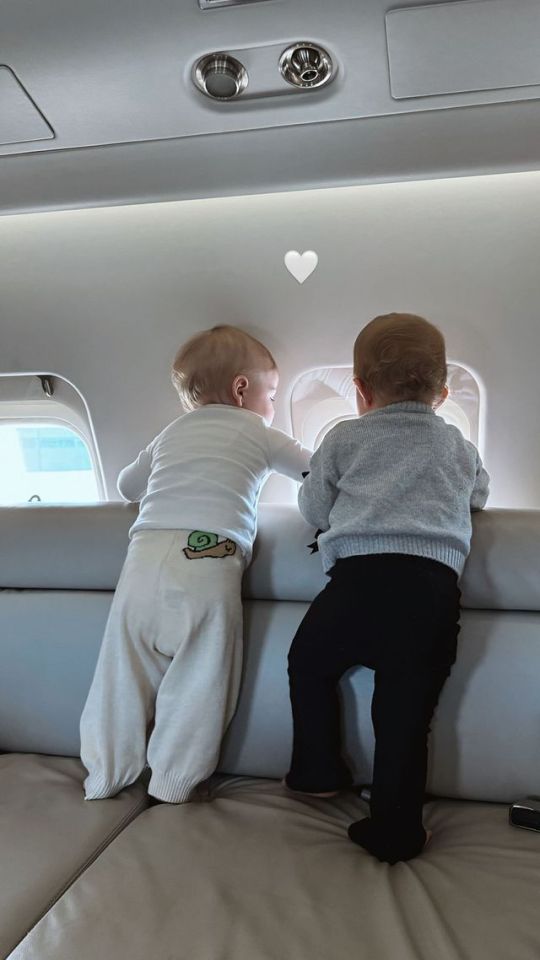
column 48, row 835
column 256, row 874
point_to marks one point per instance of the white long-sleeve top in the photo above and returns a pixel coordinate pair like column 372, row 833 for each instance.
column 205, row 471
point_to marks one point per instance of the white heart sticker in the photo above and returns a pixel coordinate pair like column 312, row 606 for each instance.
column 301, row 265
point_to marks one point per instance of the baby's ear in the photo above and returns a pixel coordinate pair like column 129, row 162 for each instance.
column 365, row 392
column 239, row 386
column 443, row 396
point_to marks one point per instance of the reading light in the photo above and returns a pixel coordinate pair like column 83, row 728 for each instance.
column 220, row 76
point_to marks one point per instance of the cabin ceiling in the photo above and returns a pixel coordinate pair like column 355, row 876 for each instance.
column 97, row 105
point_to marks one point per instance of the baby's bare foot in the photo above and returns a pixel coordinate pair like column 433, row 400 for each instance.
column 306, row 793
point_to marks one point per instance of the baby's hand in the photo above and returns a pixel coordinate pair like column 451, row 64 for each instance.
column 314, row 547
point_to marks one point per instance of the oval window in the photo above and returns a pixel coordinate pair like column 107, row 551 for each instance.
column 45, row 463
column 323, row 397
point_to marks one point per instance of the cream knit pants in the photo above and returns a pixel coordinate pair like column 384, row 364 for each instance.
column 168, row 673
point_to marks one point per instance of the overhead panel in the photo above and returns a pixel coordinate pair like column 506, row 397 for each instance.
column 450, row 48
column 20, row 119
column 124, row 72
column 130, row 123
column 209, row 4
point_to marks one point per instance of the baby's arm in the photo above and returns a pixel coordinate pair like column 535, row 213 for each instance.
column 133, row 479
column 481, row 487
column 287, row 456
column 318, row 492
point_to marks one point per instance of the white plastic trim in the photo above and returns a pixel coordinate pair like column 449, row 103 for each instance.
column 55, row 413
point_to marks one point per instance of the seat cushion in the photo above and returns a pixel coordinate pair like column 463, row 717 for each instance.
column 48, row 834
column 256, row 874
column 485, row 732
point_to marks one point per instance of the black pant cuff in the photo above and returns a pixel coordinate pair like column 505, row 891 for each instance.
column 387, row 849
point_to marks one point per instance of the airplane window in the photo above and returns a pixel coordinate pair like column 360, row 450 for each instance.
column 45, row 463
column 47, row 446
column 325, row 396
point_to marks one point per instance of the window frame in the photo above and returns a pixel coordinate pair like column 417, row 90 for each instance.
column 479, row 442
column 53, row 412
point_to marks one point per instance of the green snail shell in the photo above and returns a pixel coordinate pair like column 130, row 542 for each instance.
column 199, row 540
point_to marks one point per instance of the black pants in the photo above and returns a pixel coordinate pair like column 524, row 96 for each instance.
column 398, row 615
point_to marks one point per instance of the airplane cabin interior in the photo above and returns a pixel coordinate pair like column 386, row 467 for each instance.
column 284, row 170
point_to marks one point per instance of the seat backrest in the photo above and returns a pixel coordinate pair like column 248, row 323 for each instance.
column 58, row 570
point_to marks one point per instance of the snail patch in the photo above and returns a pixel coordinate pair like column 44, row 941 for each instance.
column 201, row 544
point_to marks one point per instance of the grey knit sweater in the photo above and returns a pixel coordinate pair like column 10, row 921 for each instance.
column 396, row 480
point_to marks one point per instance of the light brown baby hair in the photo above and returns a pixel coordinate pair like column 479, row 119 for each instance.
column 204, row 368
column 401, row 356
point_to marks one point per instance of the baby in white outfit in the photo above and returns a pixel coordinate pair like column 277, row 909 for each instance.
column 168, row 673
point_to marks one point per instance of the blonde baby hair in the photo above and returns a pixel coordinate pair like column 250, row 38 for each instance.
column 401, row 356
column 205, row 366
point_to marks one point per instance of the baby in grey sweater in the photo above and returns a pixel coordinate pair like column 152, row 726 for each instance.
column 392, row 494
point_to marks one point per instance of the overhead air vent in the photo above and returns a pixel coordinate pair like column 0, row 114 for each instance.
column 264, row 71
column 306, row 65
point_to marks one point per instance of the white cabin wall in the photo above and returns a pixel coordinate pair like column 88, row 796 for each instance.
column 104, row 296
